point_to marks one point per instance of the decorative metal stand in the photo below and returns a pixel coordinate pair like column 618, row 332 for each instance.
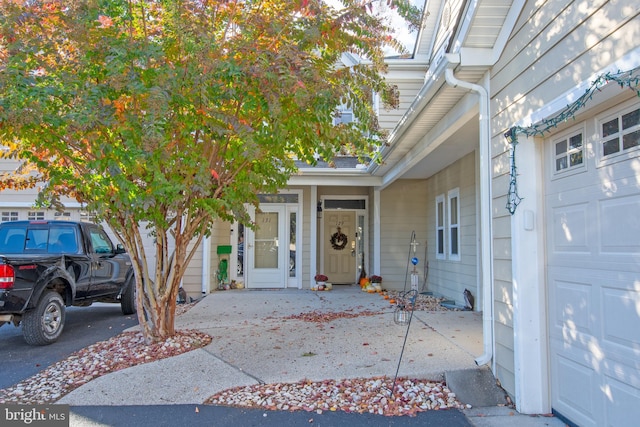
column 406, row 303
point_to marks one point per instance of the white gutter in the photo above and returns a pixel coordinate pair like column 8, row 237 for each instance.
column 485, row 208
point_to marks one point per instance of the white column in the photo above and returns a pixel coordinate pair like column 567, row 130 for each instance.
column 313, row 233
column 529, row 289
column 375, row 268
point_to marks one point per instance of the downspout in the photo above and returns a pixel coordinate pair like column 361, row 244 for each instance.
column 485, row 208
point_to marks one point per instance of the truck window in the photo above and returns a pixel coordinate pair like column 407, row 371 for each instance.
column 63, row 240
column 12, row 240
column 100, row 241
column 37, row 239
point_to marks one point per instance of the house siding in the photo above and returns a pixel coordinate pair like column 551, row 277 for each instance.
column 408, row 88
column 449, row 278
column 403, row 206
column 554, row 47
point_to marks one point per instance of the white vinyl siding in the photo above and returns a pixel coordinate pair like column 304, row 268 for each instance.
column 408, row 88
column 403, row 207
column 450, row 275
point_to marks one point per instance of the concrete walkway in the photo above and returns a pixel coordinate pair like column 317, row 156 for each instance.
column 256, row 340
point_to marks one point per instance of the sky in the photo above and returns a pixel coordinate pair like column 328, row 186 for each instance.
column 402, row 33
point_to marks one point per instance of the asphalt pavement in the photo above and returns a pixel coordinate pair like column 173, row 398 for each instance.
column 83, row 326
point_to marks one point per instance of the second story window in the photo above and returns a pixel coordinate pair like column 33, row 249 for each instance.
column 343, row 115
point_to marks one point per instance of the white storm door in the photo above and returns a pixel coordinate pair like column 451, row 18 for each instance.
column 267, row 249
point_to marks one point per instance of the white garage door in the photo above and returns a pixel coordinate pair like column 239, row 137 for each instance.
column 593, row 255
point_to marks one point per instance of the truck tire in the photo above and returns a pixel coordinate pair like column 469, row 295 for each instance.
column 43, row 325
column 128, row 300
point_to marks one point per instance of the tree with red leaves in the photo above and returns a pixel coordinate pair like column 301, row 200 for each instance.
column 164, row 116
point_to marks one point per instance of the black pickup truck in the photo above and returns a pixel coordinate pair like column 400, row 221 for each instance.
column 46, row 266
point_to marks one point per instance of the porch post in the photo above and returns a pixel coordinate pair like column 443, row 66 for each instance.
column 529, row 290
column 375, row 268
column 313, row 234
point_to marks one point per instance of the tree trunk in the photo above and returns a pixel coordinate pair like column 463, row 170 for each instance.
column 157, row 288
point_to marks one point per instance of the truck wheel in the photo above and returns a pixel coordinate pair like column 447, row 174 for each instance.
column 128, row 300
column 43, row 325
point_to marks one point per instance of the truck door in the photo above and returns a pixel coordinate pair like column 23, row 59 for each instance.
column 65, row 240
column 106, row 275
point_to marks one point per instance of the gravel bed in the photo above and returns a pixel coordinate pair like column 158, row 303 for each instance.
column 122, row 351
column 373, row 395
column 423, row 302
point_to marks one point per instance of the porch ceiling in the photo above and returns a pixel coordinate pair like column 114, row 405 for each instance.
column 442, row 124
column 442, row 127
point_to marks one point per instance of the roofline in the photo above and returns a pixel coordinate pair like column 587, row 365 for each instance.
column 335, row 177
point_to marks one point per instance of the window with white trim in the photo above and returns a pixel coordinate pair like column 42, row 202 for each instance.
column 620, row 133
column 35, row 216
column 9, row 216
column 87, row 217
column 453, row 198
column 569, row 152
column 63, row 216
column 440, row 254
column 343, row 115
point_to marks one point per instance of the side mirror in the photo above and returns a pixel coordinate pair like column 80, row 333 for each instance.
column 120, row 249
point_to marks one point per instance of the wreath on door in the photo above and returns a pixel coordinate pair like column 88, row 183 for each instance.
column 339, row 240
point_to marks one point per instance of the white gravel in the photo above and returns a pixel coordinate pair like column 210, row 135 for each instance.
column 374, row 395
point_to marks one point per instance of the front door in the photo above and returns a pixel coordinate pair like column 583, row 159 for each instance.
column 340, row 246
column 267, row 248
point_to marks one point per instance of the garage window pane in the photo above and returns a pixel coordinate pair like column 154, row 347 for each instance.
column 610, row 128
column 631, row 119
column 611, row 146
column 575, row 150
column 569, row 152
column 631, row 140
